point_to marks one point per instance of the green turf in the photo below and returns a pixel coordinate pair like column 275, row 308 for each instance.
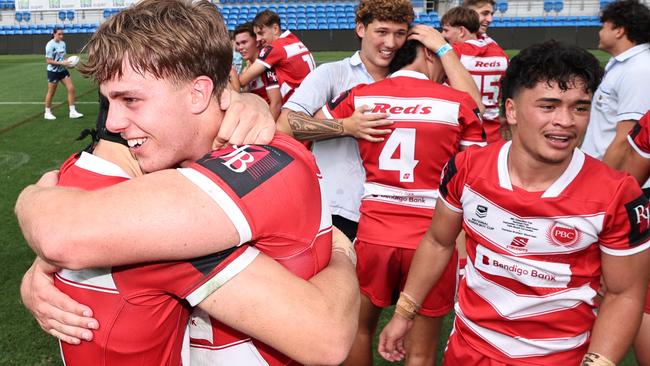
column 30, row 146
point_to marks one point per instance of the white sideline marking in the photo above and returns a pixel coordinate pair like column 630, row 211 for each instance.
column 18, row 103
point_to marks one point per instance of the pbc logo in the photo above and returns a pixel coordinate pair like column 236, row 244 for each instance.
column 638, row 214
column 387, row 108
column 563, row 235
column 481, row 211
column 246, row 167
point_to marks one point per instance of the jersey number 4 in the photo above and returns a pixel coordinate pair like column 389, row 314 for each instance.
column 402, row 141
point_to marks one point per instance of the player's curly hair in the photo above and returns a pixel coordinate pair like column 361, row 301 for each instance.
column 396, row 11
column 633, row 16
column 159, row 37
column 550, row 62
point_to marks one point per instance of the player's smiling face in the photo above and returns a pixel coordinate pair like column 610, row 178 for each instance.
column 485, row 16
column 154, row 116
column 548, row 122
column 246, row 45
column 451, row 34
column 267, row 34
column 380, row 41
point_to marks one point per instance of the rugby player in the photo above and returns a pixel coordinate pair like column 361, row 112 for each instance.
column 484, row 60
column 161, row 136
column 266, row 84
column 56, row 71
column 539, row 233
column 281, row 51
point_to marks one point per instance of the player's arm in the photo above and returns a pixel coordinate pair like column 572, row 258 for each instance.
column 457, row 76
column 247, row 120
column 313, row 322
column 636, row 164
column 431, row 257
column 233, row 80
column 619, row 316
column 275, row 101
column 159, row 216
column 254, row 70
column 619, row 148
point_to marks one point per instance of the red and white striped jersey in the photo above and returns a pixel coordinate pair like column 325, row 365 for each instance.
column 260, row 85
column 431, row 122
column 272, row 195
column 639, row 137
column 533, row 263
column 291, row 61
column 143, row 310
column 487, row 63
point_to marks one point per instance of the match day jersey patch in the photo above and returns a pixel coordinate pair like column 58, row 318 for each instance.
column 639, row 215
column 264, row 52
column 245, row 167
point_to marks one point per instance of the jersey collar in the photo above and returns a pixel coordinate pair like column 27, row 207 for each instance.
column 632, row 52
column 285, row 33
column 577, row 161
column 355, row 60
column 409, row 74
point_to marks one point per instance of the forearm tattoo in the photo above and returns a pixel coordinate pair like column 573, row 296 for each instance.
column 305, row 127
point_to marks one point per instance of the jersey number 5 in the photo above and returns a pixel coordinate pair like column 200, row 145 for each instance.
column 404, row 140
column 489, row 87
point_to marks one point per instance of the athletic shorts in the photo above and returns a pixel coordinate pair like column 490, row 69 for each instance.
column 459, row 353
column 647, row 302
column 382, row 271
column 56, row 76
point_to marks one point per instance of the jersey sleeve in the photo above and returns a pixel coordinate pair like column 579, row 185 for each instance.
column 340, row 107
column 626, row 229
column 261, row 188
column 633, row 104
column 49, row 51
column 270, row 79
column 472, row 132
column 639, row 137
column 193, row 280
column 271, row 55
column 452, row 181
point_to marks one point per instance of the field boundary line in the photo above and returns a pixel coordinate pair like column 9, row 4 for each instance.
column 33, row 116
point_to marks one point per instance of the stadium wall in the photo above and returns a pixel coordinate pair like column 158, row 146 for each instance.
column 334, row 40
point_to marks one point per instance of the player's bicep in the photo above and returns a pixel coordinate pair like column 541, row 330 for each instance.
column 254, row 70
column 626, row 274
column 445, row 225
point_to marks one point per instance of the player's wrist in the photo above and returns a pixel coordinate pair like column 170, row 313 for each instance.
column 406, row 306
column 443, row 50
column 596, row 359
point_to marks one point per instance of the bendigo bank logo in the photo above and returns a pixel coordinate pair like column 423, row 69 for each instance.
column 239, row 159
column 563, row 235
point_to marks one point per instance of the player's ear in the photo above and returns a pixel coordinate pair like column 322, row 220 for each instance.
column 201, row 93
column 511, row 109
column 360, row 29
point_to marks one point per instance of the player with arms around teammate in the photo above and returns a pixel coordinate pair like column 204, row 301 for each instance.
column 484, row 60
column 281, row 51
column 56, row 72
column 138, row 99
column 431, row 123
column 533, row 269
column 266, row 84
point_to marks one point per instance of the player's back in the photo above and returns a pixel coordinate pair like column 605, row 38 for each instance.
column 487, row 63
column 279, row 192
column 431, row 121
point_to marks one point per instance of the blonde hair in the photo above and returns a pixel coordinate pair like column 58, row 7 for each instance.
column 175, row 39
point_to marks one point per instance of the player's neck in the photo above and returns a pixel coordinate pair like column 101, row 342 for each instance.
column 378, row 73
column 530, row 173
column 621, row 46
column 119, row 155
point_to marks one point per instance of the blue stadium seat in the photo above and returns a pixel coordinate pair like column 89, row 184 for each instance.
column 502, row 6
column 27, row 16
column 548, row 6
column 558, row 5
column 19, row 17
column 70, row 14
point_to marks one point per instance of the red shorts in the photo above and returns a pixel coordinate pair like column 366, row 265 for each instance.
column 382, row 270
column 459, row 353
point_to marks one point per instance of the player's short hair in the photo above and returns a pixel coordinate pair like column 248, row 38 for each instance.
column 267, row 18
column 160, row 37
column 461, row 16
column 396, row 11
column 405, row 55
column 550, row 62
column 479, row 3
column 633, row 16
column 245, row 28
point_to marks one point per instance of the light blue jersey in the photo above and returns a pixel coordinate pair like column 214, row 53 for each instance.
column 55, row 51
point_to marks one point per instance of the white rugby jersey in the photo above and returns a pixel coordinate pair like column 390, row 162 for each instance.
column 533, row 263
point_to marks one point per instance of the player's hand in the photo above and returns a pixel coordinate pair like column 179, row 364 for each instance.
column 55, row 312
column 66, row 64
column 428, row 36
column 391, row 340
column 49, row 179
column 365, row 126
column 247, row 120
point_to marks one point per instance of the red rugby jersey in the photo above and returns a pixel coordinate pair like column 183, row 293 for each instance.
column 431, row 122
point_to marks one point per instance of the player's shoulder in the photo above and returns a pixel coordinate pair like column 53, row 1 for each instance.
column 597, row 171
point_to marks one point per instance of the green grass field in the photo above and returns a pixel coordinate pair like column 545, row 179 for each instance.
column 30, row 146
